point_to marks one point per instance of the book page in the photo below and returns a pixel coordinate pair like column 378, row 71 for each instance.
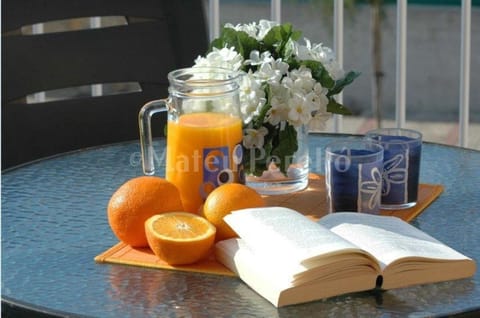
column 284, row 233
column 276, row 284
column 388, row 238
column 234, row 253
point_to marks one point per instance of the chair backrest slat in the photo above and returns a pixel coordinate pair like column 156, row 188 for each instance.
column 157, row 36
column 82, row 59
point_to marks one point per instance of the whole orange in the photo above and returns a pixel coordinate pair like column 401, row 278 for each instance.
column 135, row 201
column 225, row 199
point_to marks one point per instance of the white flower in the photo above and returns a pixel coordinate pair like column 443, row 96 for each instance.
column 226, row 57
column 250, row 28
column 257, row 59
column 257, row 31
column 319, row 121
column 300, row 81
column 254, row 138
column 320, row 53
column 281, row 66
column 303, row 52
column 272, row 71
column 319, row 98
column 279, row 109
column 278, row 112
column 335, row 70
column 252, row 96
column 264, row 27
column 300, row 111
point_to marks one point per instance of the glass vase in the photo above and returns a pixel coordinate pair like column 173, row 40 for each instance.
column 272, row 180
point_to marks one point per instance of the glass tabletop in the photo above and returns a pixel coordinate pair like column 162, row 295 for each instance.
column 54, row 223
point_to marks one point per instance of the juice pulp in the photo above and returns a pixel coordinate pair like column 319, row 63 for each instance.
column 203, row 151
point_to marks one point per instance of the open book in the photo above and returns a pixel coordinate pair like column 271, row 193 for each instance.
column 289, row 259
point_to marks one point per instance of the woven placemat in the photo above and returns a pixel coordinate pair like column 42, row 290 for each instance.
column 122, row 253
column 311, row 202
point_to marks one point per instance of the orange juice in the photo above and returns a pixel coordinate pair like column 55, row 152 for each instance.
column 203, row 151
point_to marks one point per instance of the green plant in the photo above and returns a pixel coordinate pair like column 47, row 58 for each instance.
column 286, row 85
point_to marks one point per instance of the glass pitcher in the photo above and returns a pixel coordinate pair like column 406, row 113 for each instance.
column 204, row 132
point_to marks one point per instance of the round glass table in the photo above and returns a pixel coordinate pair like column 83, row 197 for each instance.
column 54, row 223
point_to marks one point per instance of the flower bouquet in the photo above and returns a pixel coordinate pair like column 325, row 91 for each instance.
column 287, row 87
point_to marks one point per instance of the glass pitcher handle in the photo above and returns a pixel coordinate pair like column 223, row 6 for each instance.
column 145, row 126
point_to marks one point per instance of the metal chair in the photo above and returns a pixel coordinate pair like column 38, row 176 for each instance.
column 157, row 36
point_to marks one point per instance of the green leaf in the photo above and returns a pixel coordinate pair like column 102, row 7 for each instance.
column 260, row 163
column 288, row 51
column 260, row 118
column 240, row 40
column 340, row 84
column 285, row 147
column 319, row 73
column 217, row 43
column 273, row 37
column 292, row 63
column 278, row 38
column 337, row 108
column 296, row 35
column 255, row 160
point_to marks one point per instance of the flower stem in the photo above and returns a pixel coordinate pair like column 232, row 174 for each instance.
column 258, row 122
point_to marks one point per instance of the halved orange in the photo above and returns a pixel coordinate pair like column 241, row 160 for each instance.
column 180, row 237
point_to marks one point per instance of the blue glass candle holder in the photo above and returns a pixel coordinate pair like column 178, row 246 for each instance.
column 401, row 165
column 354, row 176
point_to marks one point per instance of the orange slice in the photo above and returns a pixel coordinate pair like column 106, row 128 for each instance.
column 180, row 237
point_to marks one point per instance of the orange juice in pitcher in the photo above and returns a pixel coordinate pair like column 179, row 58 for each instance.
column 203, row 151
column 204, row 132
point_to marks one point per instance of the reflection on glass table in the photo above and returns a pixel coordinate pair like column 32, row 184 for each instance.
column 54, row 223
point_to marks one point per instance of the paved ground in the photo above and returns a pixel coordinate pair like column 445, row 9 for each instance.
column 440, row 132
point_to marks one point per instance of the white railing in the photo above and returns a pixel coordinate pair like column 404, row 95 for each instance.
column 401, row 57
column 213, row 18
column 464, row 109
column 338, row 48
column 401, row 66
